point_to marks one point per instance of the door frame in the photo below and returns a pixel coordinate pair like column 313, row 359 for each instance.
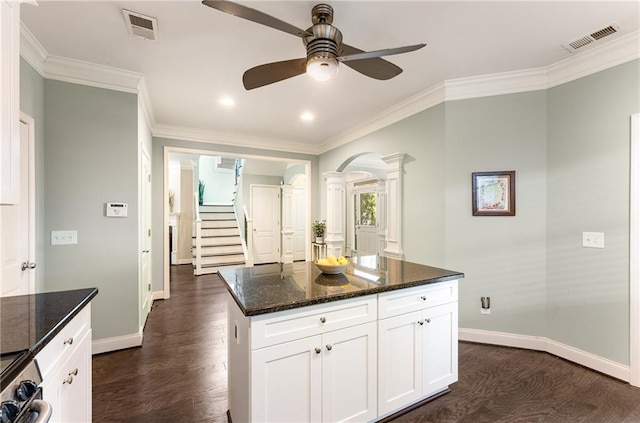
column 31, row 130
column 166, row 292
column 143, row 290
column 634, row 254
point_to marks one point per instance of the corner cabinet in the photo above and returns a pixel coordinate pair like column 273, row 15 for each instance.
column 65, row 364
column 9, row 101
column 418, row 338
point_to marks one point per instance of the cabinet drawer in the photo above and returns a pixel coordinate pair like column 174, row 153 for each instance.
column 65, row 341
column 272, row 329
column 412, row 299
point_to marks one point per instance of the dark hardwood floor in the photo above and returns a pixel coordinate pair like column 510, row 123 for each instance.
column 179, row 374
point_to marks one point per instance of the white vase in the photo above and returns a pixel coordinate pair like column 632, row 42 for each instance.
column 319, row 240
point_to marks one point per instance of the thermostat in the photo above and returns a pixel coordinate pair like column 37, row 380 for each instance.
column 117, row 209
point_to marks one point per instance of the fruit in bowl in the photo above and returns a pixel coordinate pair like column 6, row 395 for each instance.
column 332, row 264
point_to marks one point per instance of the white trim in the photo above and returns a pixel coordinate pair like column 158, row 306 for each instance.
column 115, row 343
column 157, row 295
column 634, row 253
column 617, row 51
column 31, row 128
column 547, row 345
column 145, row 102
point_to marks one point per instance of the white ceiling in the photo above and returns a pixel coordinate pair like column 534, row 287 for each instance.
column 202, row 53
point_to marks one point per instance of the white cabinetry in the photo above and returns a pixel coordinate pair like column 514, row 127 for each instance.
column 65, row 363
column 317, row 363
column 9, row 102
column 418, row 338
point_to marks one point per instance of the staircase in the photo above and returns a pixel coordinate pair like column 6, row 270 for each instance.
column 216, row 240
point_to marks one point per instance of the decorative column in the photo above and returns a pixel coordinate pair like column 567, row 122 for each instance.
column 334, row 238
column 287, row 224
column 381, row 213
column 395, row 172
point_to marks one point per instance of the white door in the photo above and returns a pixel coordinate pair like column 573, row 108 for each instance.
column 440, row 348
column 299, row 224
column 400, row 361
column 17, row 247
column 145, row 240
column 265, row 212
column 366, row 222
column 349, row 374
column 286, row 382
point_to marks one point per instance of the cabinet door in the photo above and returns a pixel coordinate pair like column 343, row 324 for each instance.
column 349, row 380
column 9, row 102
column 69, row 390
column 286, row 382
column 440, row 347
column 399, row 361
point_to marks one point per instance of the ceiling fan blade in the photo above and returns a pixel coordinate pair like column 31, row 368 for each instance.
column 378, row 53
column 375, row 67
column 273, row 72
column 256, row 16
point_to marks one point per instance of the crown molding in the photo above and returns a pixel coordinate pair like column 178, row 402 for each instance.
column 615, row 52
column 233, row 139
column 31, row 50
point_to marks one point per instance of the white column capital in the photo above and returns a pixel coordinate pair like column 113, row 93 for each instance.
column 333, row 177
column 394, row 161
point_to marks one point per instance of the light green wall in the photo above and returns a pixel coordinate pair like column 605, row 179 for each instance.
column 422, row 138
column 32, row 103
column 588, row 190
column 501, row 257
column 91, row 158
column 569, row 146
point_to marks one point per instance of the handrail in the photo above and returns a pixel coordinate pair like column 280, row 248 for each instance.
column 196, row 206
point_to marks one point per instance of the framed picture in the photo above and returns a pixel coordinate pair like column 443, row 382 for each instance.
column 494, row 193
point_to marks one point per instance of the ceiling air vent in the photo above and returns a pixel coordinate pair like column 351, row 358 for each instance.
column 591, row 38
column 141, row 26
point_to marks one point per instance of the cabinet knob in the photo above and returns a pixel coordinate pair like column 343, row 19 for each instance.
column 68, row 341
column 423, row 298
column 318, row 350
column 421, row 322
column 74, row 372
column 428, row 320
column 68, row 380
column 322, row 320
column 329, row 347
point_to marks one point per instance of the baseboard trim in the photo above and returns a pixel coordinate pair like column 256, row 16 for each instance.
column 157, row 295
column 115, row 343
column 537, row 343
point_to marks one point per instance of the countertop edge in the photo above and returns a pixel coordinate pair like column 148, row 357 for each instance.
column 36, row 348
column 324, row 300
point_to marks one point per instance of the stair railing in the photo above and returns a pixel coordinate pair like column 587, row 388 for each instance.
column 248, row 237
column 197, row 231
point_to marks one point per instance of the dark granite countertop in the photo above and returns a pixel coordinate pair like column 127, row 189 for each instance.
column 274, row 287
column 29, row 322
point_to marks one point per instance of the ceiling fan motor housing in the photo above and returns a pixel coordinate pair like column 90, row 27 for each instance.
column 324, row 39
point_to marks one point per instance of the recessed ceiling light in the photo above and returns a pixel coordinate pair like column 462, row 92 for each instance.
column 307, row 117
column 227, row 101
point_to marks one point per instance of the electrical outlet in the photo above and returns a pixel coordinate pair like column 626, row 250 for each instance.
column 485, row 305
column 593, row 239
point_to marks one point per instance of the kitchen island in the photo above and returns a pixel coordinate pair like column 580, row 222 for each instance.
column 359, row 346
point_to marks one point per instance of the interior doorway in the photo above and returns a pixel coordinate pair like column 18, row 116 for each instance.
column 365, row 219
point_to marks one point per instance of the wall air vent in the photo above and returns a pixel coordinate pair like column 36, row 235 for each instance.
column 141, row 26
column 583, row 41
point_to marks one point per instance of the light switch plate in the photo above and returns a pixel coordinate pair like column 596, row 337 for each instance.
column 64, row 237
column 593, row 239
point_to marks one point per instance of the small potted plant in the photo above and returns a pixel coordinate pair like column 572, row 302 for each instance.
column 172, row 199
column 319, row 228
column 200, row 192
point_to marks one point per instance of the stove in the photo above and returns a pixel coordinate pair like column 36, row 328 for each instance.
column 20, row 392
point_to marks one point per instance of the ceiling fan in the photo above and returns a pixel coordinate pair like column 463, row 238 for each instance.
column 325, row 49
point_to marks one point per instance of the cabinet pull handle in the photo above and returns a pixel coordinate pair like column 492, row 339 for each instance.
column 73, row 372
column 428, row 320
column 68, row 341
column 322, row 320
column 68, row 380
column 423, row 298
column 421, row 322
column 318, row 350
column 329, row 347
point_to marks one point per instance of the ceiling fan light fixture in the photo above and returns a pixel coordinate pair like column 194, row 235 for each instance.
column 322, row 68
